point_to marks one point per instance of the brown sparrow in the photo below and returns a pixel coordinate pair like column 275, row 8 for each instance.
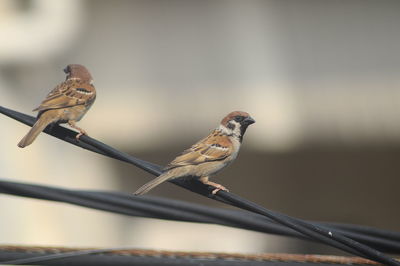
column 66, row 103
column 208, row 156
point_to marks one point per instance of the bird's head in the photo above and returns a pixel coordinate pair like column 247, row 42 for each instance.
column 236, row 123
column 75, row 71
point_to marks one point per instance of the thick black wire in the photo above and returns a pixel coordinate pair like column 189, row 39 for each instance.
column 310, row 229
column 162, row 208
column 323, row 235
column 372, row 231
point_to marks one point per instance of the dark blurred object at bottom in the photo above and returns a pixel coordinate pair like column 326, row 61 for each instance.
column 16, row 255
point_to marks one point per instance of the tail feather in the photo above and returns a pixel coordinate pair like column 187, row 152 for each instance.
column 39, row 126
column 153, row 183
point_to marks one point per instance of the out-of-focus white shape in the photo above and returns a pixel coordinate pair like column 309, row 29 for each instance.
column 44, row 29
column 169, row 235
column 253, row 37
column 351, row 112
column 278, row 126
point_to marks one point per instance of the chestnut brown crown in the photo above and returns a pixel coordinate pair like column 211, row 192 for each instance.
column 238, row 116
column 79, row 72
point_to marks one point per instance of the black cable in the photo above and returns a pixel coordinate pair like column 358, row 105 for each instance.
column 318, row 233
column 395, row 236
column 162, row 208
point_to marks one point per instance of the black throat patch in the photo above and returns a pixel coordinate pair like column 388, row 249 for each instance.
column 243, row 129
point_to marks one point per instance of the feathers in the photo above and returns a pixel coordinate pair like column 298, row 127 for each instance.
column 67, row 94
column 207, row 152
column 206, row 157
column 39, row 126
column 153, row 183
column 215, row 147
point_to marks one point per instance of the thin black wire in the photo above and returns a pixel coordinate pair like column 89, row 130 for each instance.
column 323, row 235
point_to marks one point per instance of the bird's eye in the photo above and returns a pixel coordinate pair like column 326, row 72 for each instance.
column 239, row 118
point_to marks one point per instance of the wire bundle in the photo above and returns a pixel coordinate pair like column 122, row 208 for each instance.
column 328, row 234
column 168, row 209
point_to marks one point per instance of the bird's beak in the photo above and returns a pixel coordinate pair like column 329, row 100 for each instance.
column 248, row 121
column 66, row 70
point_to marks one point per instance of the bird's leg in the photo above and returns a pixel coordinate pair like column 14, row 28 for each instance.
column 81, row 131
column 218, row 187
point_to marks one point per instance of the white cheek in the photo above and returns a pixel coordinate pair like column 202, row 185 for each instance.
column 236, row 131
column 228, row 131
column 224, row 130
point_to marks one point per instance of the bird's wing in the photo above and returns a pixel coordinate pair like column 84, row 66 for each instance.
column 215, row 147
column 67, row 94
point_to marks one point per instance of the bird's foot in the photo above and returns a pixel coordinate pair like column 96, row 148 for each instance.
column 82, row 132
column 217, row 186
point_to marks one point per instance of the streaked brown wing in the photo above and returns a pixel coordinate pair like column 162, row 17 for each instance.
column 215, row 147
column 67, row 94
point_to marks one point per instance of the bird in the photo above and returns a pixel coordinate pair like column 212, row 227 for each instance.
column 209, row 155
column 66, row 103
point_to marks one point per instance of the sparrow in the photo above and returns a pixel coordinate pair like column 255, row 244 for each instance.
column 66, row 103
column 208, row 156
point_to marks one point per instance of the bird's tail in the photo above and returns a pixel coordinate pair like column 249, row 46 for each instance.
column 45, row 119
column 153, row 183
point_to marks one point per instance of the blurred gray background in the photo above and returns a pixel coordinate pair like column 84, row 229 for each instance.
column 321, row 78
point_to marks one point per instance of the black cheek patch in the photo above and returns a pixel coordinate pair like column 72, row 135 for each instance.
column 231, row 126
